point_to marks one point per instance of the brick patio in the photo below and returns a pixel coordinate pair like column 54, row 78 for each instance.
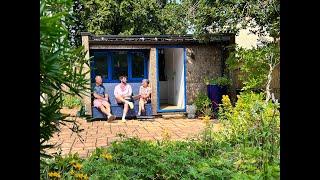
column 101, row 134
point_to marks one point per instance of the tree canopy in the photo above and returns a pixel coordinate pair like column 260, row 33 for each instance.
column 132, row 17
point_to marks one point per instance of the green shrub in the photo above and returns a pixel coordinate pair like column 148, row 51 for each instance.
column 203, row 104
column 71, row 101
column 254, row 64
column 137, row 159
column 251, row 116
column 247, row 147
column 255, row 124
column 220, row 81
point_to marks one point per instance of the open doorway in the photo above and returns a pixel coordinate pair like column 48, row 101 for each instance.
column 171, row 79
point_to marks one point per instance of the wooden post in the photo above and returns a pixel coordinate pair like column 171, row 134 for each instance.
column 153, row 80
column 87, row 99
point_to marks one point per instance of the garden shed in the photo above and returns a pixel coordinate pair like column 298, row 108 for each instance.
column 176, row 65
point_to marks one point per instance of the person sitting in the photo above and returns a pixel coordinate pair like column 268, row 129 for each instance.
column 145, row 95
column 123, row 95
column 101, row 99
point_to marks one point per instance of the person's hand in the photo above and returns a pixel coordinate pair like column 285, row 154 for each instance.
column 126, row 97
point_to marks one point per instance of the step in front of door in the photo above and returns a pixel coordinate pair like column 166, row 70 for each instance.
column 173, row 115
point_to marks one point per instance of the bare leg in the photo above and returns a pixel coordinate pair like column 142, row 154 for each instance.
column 108, row 110
column 120, row 99
column 106, row 106
column 111, row 117
column 125, row 110
column 105, row 110
column 140, row 106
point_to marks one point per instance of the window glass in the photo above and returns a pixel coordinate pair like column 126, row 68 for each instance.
column 120, row 65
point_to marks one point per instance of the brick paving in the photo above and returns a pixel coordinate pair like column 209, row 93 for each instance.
column 101, row 134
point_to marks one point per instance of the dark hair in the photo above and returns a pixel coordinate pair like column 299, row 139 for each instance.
column 120, row 77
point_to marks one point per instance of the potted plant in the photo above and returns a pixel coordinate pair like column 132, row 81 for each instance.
column 217, row 87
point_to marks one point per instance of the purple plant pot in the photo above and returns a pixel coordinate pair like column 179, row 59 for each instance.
column 215, row 93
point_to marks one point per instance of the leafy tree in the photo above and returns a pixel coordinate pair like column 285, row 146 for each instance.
column 76, row 24
column 139, row 17
column 101, row 16
column 173, row 19
column 133, row 17
column 256, row 65
column 179, row 17
column 61, row 66
column 220, row 16
column 229, row 16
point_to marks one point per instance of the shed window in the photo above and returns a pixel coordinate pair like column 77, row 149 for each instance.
column 111, row 64
column 101, row 65
column 137, row 65
column 120, row 65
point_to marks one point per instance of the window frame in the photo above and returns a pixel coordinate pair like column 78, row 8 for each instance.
column 110, row 61
column 93, row 63
column 130, row 61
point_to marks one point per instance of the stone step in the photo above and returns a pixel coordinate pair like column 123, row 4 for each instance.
column 173, row 116
column 160, row 113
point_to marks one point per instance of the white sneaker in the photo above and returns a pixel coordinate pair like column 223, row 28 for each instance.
column 130, row 105
column 139, row 113
column 124, row 120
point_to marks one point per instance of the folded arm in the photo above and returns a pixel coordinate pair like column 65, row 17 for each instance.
column 97, row 96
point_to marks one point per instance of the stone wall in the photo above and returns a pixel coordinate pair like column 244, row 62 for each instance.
column 202, row 61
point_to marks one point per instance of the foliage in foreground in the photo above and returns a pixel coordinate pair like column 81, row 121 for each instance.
column 61, row 67
column 71, row 101
column 247, row 147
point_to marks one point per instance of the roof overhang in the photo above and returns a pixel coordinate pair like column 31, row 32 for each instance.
column 155, row 39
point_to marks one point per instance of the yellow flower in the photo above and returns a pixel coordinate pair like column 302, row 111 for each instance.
column 206, row 120
column 107, row 156
column 165, row 134
column 238, row 163
column 77, row 166
column 81, row 176
column 71, row 172
column 226, row 101
column 54, row 174
column 73, row 162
